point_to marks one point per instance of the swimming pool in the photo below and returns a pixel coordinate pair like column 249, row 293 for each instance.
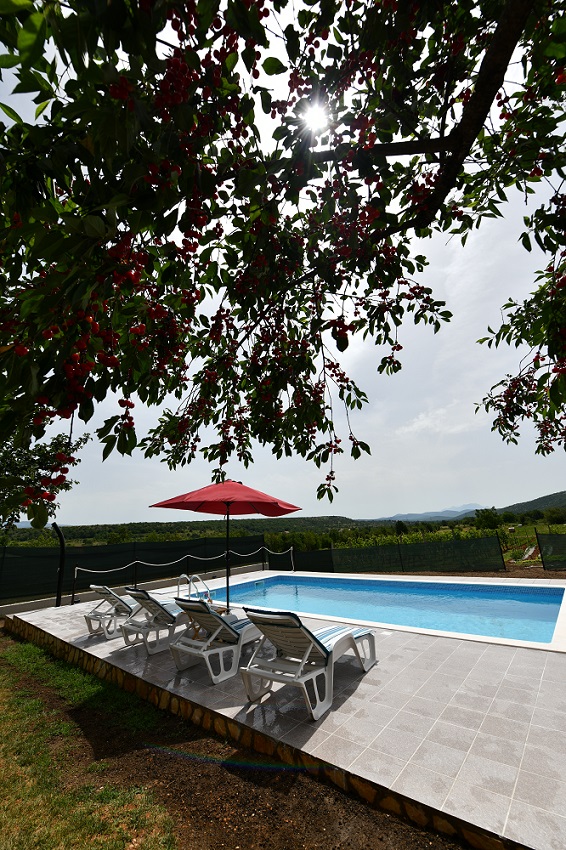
column 514, row 612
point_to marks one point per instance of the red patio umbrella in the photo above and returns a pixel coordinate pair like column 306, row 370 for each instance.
column 229, row 498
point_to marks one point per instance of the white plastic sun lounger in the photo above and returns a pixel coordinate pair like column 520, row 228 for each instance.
column 152, row 623
column 110, row 612
column 218, row 642
column 303, row 658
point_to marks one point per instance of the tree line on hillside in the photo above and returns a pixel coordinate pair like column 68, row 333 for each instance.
column 303, row 533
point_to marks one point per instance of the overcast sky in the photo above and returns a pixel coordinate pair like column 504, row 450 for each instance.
column 430, row 450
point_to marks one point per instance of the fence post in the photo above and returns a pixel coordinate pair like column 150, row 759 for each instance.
column 540, row 547
column 61, row 570
column 2, row 568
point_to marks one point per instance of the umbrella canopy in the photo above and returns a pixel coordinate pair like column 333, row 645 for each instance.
column 228, row 498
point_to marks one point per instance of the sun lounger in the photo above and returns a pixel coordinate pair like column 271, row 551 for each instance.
column 219, row 641
column 110, row 612
column 303, row 658
column 152, row 623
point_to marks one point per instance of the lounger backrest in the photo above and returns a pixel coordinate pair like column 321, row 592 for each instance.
column 152, row 606
column 288, row 635
column 120, row 606
column 209, row 620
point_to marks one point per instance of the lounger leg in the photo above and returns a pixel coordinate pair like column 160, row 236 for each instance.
column 222, row 663
column 94, row 625
column 110, row 627
column 255, row 684
column 161, row 641
column 318, row 692
column 366, row 650
column 131, row 636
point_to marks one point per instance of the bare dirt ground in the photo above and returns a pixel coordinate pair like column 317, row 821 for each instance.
column 220, row 795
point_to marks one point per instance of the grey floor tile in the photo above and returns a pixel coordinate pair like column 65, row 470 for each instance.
column 518, row 712
column 426, row 786
column 409, row 683
column 491, row 775
column 555, row 669
column 380, row 714
column 398, row 744
column 542, row 792
column 552, row 700
column 497, row 749
column 543, row 761
column 439, row 758
column 501, row 727
column 440, row 691
column 359, row 730
column 338, row 751
column 540, row 737
column 473, row 702
column 479, row 687
column 457, row 737
column 525, row 683
column 424, row 707
column 535, row 828
column 414, row 724
column 549, row 719
column 516, row 695
column 390, row 697
column 462, row 717
column 377, row 767
column 477, row 805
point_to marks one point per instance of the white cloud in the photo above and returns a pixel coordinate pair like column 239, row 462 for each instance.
column 454, row 418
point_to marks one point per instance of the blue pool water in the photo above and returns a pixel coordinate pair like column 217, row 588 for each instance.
column 516, row 612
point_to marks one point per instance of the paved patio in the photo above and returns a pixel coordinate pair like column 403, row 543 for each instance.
column 466, row 737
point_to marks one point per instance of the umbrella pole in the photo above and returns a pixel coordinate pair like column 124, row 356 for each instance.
column 228, row 557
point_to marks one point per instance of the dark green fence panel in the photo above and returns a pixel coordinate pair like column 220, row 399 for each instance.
column 281, row 561
column 28, row 573
column 370, row 559
column 474, row 555
column 317, row 561
column 31, row 573
column 552, row 550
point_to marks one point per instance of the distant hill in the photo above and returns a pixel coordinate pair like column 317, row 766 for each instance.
column 435, row 516
column 555, row 500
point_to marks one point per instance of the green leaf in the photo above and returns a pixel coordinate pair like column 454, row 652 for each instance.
column 38, row 515
column 265, row 101
column 273, row 66
column 11, row 113
column 41, row 108
column 31, row 38
column 231, row 61
column 94, row 227
column 12, row 7
column 555, row 50
column 109, row 443
column 9, row 60
column 292, row 43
